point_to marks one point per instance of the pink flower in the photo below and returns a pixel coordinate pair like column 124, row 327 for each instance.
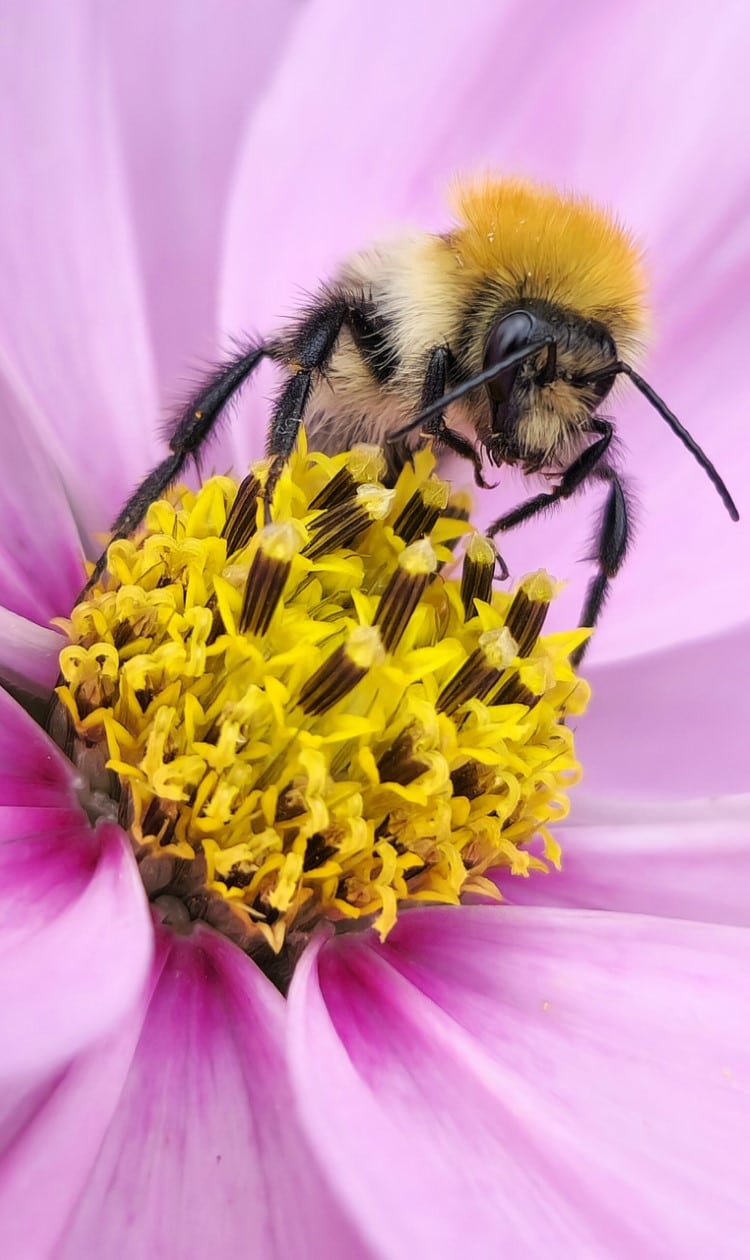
column 563, row 1076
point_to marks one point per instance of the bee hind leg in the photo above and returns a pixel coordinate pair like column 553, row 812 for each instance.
column 188, row 436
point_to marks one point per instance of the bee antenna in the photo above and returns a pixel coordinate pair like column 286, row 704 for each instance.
column 678, row 429
column 489, row 374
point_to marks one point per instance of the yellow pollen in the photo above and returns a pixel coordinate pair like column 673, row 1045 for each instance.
column 315, row 718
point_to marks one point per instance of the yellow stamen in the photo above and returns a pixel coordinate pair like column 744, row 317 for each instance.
column 299, row 730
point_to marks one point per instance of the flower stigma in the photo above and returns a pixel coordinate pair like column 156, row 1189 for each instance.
column 310, row 718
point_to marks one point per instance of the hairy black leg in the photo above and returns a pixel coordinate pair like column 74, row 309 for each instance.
column 192, row 430
column 612, row 539
column 308, row 351
column 579, row 471
column 436, row 380
column 613, row 530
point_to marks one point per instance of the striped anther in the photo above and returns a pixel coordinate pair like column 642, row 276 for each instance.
column 241, row 522
column 422, row 512
column 477, row 573
column 269, row 570
column 364, row 463
column 343, row 669
column 340, row 525
column 528, row 611
column 417, row 564
column 481, row 672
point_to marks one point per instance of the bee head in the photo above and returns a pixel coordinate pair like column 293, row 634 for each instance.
column 542, row 400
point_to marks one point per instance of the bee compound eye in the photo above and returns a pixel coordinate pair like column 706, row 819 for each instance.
column 511, row 333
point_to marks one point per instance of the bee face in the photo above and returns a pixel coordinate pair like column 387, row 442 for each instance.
column 540, row 407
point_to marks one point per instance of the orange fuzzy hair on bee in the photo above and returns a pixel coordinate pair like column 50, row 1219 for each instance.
column 562, row 249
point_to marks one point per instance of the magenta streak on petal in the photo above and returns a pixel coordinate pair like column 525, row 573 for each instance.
column 203, row 1154
column 75, row 937
column 572, row 1083
column 72, row 327
column 687, row 861
column 75, row 941
column 33, row 770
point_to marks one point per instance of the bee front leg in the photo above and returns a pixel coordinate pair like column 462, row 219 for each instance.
column 440, row 367
column 613, row 529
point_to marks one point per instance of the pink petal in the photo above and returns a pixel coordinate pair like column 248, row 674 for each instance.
column 33, row 771
column 41, row 566
column 75, row 937
column 203, row 1152
column 28, row 653
column 684, row 861
column 50, row 1135
column 185, row 82
column 670, row 724
column 566, row 1082
column 645, row 161
column 72, row 330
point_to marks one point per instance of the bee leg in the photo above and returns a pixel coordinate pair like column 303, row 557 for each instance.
column 309, row 349
column 439, row 370
column 584, row 466
column 613, row 531
column 192, row 430
column 612, row 538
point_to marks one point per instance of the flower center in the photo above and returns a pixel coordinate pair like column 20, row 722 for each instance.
column 306, row 718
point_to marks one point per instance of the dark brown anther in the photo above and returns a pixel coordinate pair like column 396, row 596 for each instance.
column 340, row 525
column 269, row 570
column 528, row 611
column 242, row 521
column 473, row 779
column 345, row 667
column 416, row 567
column 421, row 514
column 513, row 691
column 364, row 463
column 477, row 574
column 399, row 764
column 481, row 672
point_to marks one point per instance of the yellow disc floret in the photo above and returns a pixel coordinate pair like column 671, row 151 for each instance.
column 307, row 718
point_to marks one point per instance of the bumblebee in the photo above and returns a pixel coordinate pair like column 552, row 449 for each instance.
column 498, row 340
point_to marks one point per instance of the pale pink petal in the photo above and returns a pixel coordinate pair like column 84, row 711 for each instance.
column 544, row 1082
column 41, row 564
column 686, row 861
column 28, row 653
column 186, row 79
column 73, row 343
column 203, row 1155
column 33, row 770
column 75, row 939
column 50, row 1135
column 75, row 936
column 672, row 724
column 652, row 161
